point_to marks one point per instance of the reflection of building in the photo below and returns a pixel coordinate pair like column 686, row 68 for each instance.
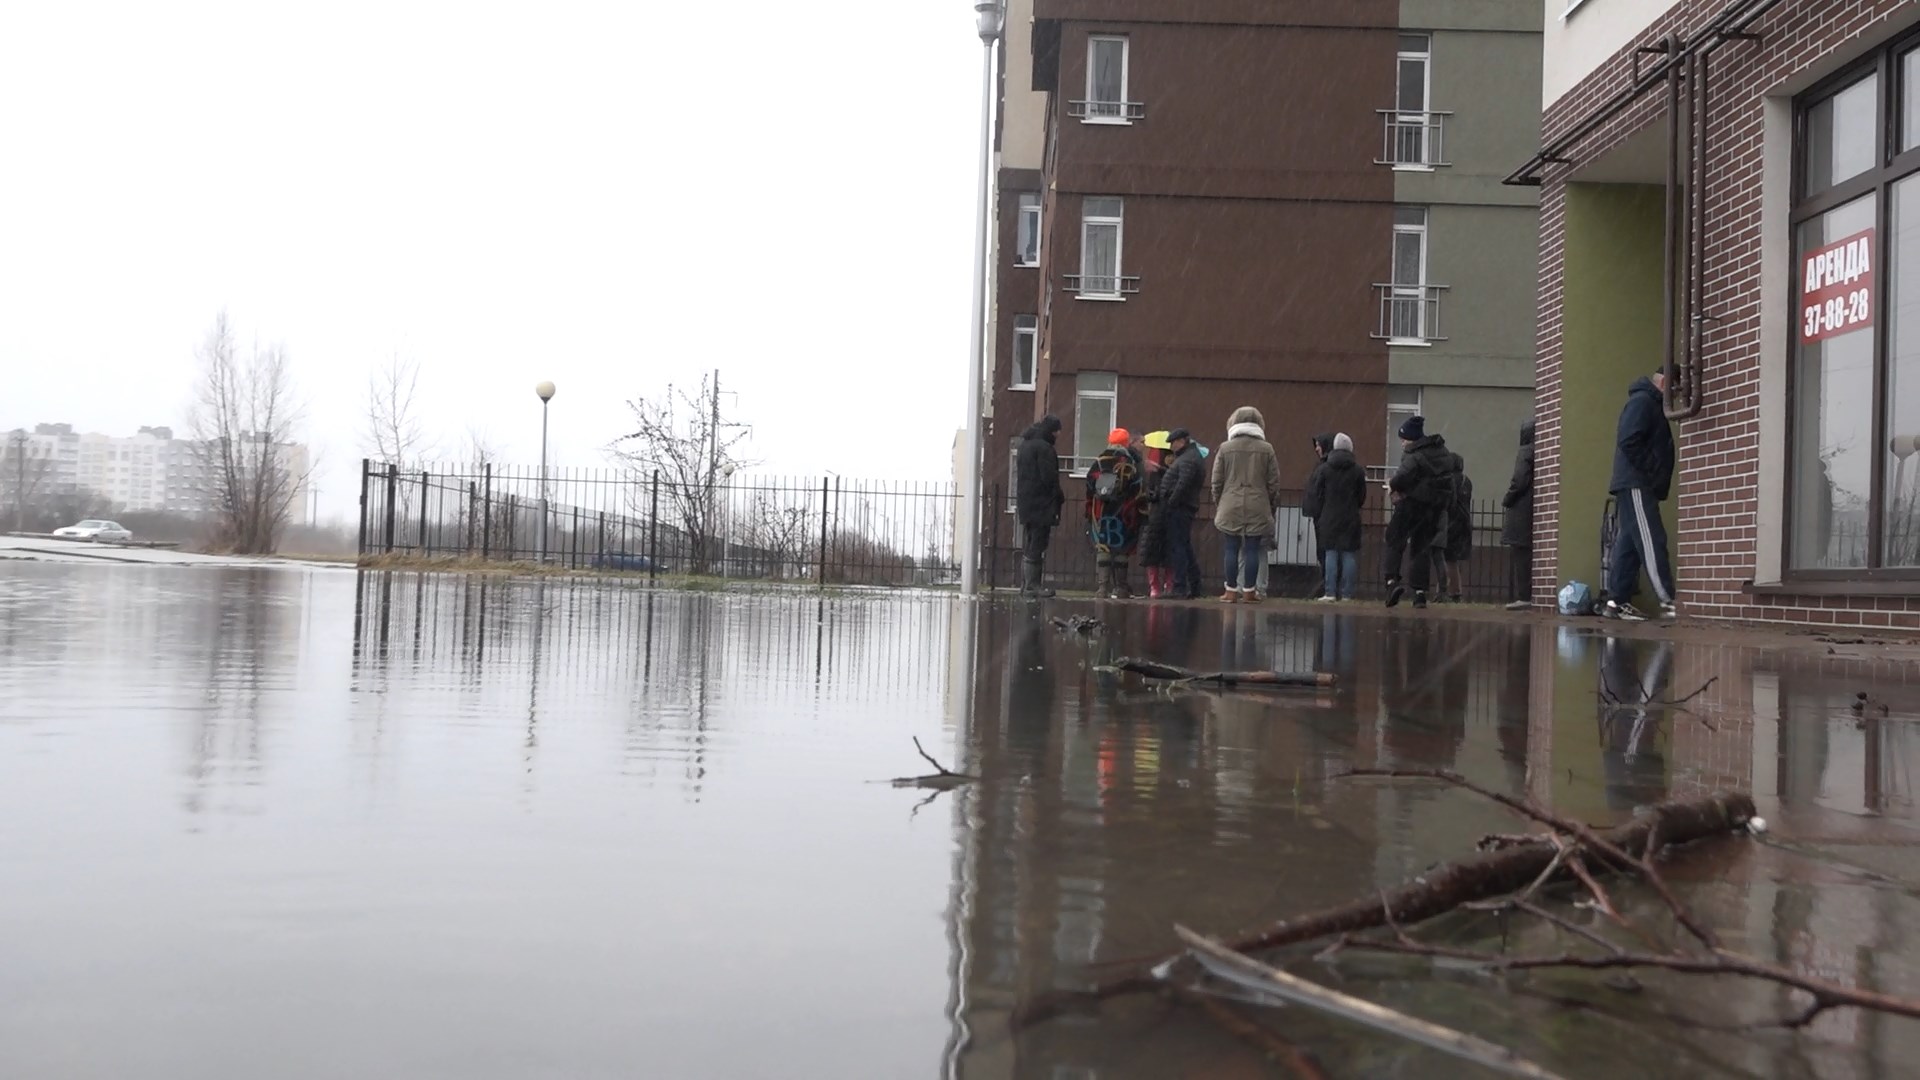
column 1296, row 206
column 1793, row 191
column 150, row 471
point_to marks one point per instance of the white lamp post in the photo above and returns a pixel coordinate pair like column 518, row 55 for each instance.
column 990, row 18
column 545, row 390
column 726, row 516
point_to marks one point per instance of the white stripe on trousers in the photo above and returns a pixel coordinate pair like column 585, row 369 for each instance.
column 1647, row 555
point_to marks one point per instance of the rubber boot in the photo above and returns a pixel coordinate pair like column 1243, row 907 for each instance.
column 1032, row 587
column 1117, row 579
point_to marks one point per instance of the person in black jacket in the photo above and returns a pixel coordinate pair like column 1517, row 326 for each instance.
column 1179, row 501
column 1517, row 534
column 1322, row 446
column 1455, row 543
column 1642, row 479
column 1038, row 499
column 1335, row 494
column 1422, row 490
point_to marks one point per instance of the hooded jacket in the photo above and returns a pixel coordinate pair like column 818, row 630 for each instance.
column 1337, row 492
column 1036, row 472
column 1518, row 530
column 1643, row 449
column 1246, row 477
column 1425, row 476
column 1180, row 484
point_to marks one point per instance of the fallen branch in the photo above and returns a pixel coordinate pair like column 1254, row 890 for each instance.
column 941, row 779
column 1263, row 1038
column 1245, row 971
column 1481, row 877
column 1153, row 669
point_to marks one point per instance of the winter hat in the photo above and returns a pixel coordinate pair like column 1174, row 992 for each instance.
column 1414, row 429
column 1246, row 414
column 1119, row 437
column 1177, row 434
column 1341, row 442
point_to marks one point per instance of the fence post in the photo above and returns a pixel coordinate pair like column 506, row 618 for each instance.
column 486, row 514
column 575, row 557
column 989, row 514
column 393, row 490
column 653, row 532
column 426, row 545
column 821, row 573
column 366, row 466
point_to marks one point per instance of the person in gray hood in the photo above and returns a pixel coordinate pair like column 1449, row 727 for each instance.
column 1246, row 488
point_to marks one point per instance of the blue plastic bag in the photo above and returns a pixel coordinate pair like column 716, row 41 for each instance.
column 1576, row 599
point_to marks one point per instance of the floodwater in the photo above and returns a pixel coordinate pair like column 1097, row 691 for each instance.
column 298, row 823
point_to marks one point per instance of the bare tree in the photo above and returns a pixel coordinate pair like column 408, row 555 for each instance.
column 394, row 434
column 780, row 533
column 242, row 419
column 24, row 469
column 684, row 439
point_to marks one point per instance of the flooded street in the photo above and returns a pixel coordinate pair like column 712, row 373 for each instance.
column 293, row 823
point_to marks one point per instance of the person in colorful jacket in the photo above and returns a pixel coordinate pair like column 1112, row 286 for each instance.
column 1115, row 494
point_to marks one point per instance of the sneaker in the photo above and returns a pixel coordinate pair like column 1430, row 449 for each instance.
column 1419, row 599
column 1623, row 612
column 1396, row 592
column 1325, row 599
column 1669, row 613
column 1519, row 605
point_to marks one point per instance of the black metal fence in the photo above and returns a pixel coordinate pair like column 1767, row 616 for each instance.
column 1293, row 570
column 826, row 530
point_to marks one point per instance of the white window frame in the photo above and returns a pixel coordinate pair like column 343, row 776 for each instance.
column 1031, row 331
column 1108, row 112
column 1082, row 393
column 1029, row 207
column 1416, row 290
column 1397, row 412
column 1087, row 223
column 1425, row 115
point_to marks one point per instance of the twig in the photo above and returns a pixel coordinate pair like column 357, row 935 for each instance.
column 1244, row 970
column 1269, row 1041
column 937, row 767
column 1600, row 897
column 942, row 779
column 1677, row 702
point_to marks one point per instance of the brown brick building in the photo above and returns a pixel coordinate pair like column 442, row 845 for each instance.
column 1794, row 200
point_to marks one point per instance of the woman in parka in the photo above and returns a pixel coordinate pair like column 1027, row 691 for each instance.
column 1246, row 488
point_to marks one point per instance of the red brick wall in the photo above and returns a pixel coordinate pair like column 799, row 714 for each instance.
column 1717, row 482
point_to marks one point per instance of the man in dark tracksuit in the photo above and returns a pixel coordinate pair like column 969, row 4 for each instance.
column 1179, row 497
column 1422, row 491
column 1036, row 471
column 1642, row 479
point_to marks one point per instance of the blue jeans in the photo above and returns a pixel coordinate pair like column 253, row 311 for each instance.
column 1342, row 573
column 1243, row 560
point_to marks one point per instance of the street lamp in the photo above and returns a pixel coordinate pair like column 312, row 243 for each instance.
column 726, row 515
column 545, row 390
column 990, row 17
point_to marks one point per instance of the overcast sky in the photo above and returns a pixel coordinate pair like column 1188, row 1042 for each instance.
column 609, row 195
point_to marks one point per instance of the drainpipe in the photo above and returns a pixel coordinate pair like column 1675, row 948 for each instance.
column 1670, row 255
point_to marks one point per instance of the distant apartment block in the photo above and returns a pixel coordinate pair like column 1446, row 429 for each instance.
column 150, row 471
column 1289, row 205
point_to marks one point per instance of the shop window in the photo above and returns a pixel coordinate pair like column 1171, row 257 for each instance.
column 1854, row 400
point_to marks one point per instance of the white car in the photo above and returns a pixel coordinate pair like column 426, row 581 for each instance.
column 108, row 532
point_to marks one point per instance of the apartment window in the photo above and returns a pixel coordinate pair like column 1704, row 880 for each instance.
column 1096, row 397
column 1413, row 128
column 1106, row 101
column 1101, row 221
column 1853, row 472
column 1027, row 243
column 1409, row 306
column 1026, row 340
column 1403, row 404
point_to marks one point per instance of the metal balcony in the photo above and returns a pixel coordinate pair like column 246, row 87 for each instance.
column 1101, row 286
column 1409, row 314
column 1412, row 140
column 1107, row 112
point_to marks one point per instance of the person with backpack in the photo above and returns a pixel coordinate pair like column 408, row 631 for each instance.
column 1335, row 494
column 1246, row 488
column 1038, row 499
column 1114, row 494
column 1422, row 490
column 1517, row 533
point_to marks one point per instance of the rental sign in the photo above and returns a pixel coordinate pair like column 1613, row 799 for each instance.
column 1836, row 288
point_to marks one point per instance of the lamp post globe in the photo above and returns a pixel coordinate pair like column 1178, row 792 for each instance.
column 990, row 17
column 545, row 390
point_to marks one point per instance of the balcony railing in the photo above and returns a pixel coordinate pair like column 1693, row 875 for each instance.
column 1107, row 112
column 1409, row 314
column 1101, row 286
column 1413, row 140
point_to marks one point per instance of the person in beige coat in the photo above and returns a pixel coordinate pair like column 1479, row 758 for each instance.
column 1246, row 488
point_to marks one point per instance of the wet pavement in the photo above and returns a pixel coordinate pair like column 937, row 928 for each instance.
column 317, row 824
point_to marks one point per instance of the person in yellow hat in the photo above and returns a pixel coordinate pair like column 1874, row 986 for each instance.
column 1115, row 489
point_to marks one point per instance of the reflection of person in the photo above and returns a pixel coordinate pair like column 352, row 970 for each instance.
column 1642, row 478
column 1246, row 488
column 1634, row 769
column 1114, row 496
column 1037, row 472
column 1517, row 533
